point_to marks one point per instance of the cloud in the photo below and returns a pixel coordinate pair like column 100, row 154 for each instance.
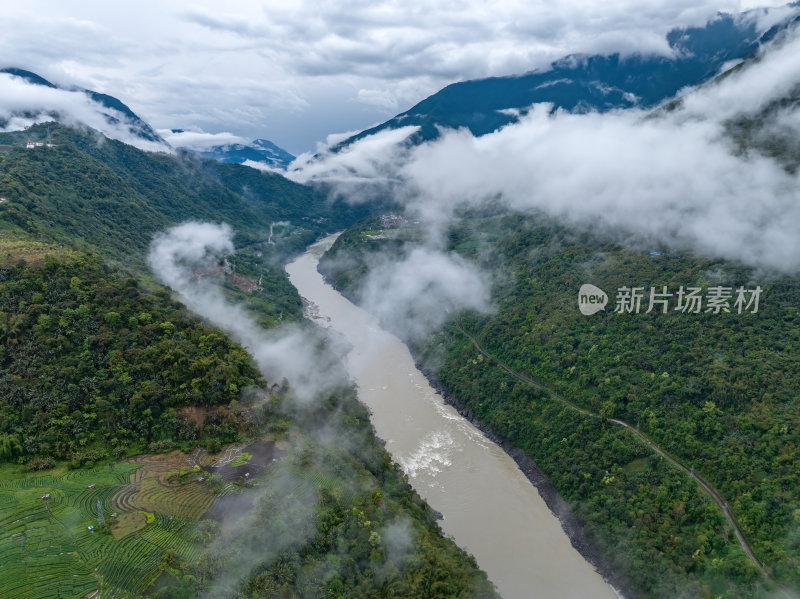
column 674, row 178
column 263, row 166
column 256, row 534
column 417, row 293
column 287, row 71
column 198, row 140
column 398, row 539
column 378, row 97
column 187, row 257
column 774, row 76
column 184, row 257
column 179, row 253
column 334, row 138
column 356, row 169
column 23, row 104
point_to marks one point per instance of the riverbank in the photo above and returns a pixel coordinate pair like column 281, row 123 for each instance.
column 570, row 523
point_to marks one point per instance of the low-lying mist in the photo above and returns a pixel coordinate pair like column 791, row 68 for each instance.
column 283, row 517
column 673, row 177
column 418, row 293
column 182, row 256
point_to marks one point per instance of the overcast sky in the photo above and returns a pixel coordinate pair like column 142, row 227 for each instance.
column 296, row 71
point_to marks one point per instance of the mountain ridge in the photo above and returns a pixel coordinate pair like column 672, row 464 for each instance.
column 116, row 114
column 259, row 150
column 581, row 83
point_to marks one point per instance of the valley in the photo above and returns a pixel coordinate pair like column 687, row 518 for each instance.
column 563, row 387
column 110, row 385
column 459, row 471
column 515, row 315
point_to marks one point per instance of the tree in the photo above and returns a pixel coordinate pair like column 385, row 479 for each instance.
column 9, row 445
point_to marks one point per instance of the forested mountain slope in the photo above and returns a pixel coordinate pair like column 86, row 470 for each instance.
column 595, row 399
column 110, row 196
column 99, row 364
column 716, row 391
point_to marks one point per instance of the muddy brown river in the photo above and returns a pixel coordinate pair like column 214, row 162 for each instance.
column 489, row 507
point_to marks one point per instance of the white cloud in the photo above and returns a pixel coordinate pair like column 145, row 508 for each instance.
column 334, row 138
column 355, row 167
column 416, row 294
column 379, row 97
column 183, row 258
column 294, row 71
column 673, row 179
column 263, row 166
column 198, row 140
column 23, row 104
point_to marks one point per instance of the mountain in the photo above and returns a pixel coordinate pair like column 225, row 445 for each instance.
column 556, row 385
column 28, row 76
column 259, row 150
column 666, row 433
column 99, row 363
column 104, row 113
column 112, row 197
column 600, row 82
column 113, row 118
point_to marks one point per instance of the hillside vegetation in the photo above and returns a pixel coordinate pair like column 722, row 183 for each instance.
column 110, row 197
column 92, row 364
column 99, row 364
column 716, row 391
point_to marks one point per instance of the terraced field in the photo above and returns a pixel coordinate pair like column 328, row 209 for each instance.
column 45, row 546
column 151, row 490
column 47, row 549
column 13, row 248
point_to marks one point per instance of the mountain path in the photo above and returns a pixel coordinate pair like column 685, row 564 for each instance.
column 709, row 488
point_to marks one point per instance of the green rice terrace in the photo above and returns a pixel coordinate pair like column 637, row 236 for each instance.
column 106, row 531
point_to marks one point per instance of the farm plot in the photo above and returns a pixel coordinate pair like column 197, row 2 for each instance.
column 48, row 551
column 151, row 490
column 106, row 530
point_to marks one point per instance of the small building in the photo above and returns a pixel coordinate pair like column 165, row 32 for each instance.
column 114, row 515
column 393, row 221
column 30, row 144
column 91, row 486
column 46, row 496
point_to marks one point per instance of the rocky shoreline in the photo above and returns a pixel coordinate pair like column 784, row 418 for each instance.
column 570, row 523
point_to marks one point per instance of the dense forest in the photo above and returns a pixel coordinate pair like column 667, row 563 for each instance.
column 106, row 196
column 329, row 522
column 716, row 391
column 91, row 364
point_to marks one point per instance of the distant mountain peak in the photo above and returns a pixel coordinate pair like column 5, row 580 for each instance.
column 259, row 151
column 580, row 82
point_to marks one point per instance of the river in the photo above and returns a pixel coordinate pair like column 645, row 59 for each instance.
column 489, row 506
